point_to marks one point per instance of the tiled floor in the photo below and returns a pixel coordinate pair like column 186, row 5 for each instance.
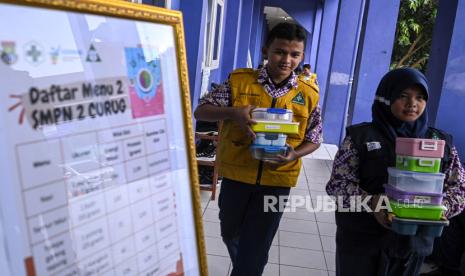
column 305, row 243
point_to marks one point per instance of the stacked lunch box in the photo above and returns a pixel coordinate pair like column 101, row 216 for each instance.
column 272, row 127
column 415, row 187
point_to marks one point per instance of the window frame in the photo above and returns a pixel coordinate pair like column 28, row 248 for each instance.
column 211, row 61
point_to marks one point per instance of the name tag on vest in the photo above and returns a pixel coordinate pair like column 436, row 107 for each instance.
column 373, row 145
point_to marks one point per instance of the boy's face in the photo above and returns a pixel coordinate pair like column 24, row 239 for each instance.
column 283, row 57
column 306, row 71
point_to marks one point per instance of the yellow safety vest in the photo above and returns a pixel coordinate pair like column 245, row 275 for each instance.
column 236, row 161
column 311, row 80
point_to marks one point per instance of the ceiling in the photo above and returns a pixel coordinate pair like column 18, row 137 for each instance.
column 275, row 15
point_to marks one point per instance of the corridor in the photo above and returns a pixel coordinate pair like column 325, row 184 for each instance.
column 305, row 243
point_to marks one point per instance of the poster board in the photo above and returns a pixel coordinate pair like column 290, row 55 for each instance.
column 98, row 172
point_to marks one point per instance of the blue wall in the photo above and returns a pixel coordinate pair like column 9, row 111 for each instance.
column 440, row 46
column 175, row 4
column 304, row 13
column 325, row 47
column 260, row 39
column 301, row 11
column 316, row 35
column 375, row 56
column 342, row 68
column 231, row 28
column 451, row 106
column 334, row 50
column 257, row 30
column 194, row 25
column 245, row 31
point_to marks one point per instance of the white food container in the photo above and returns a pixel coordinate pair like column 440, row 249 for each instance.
column 416, row 181
column 270, row 139
column 272, row 114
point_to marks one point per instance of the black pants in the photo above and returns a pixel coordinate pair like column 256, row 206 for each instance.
column 449, row 249
column 246, row 229
column 363, row 248
column 376, row 265
column 380, row 264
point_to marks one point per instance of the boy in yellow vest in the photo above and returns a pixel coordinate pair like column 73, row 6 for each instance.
column 247, row 226
column 308, row 76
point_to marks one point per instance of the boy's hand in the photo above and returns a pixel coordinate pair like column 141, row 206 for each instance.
column 241, row 116
column 282, row 160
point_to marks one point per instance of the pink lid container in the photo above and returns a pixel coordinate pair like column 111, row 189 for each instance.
column 420, row 147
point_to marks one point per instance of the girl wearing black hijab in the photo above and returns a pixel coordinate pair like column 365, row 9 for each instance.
column 365, row 244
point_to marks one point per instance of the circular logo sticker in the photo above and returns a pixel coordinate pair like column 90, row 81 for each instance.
column 145, row 80
column 145, row 83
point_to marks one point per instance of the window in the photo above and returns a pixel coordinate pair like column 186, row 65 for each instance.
column 214, row 31
column 162, row 3
column 158, row 3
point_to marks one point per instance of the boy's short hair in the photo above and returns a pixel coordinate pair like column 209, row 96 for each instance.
column 288, row 31
column 306, row 65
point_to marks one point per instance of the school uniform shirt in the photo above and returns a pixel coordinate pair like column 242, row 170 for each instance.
column 221, row 96
column 344, row 179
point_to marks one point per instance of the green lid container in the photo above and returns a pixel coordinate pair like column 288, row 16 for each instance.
column 416, row 211
column 418, row 164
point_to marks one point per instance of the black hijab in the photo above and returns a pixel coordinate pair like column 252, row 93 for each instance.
column 389, row 89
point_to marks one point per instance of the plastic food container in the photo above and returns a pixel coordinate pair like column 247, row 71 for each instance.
column 272, row 114
column 420, row 147
column 267, row 153
column 417, row 211
column 418, row 164
column 412, row 198
column 413, row 227
column 276, row 127
column 261, row 140
column 270, row 139
column 415, row 182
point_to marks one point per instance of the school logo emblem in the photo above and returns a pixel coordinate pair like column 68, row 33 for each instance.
column 146, row 88
column 299, row 99
column 92, row 55
column 8, row 54
column 54, row 55
column 34, row 53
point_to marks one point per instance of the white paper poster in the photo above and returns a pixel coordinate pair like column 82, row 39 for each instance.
column 95, row 176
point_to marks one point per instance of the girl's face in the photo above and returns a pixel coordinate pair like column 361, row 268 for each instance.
column 410, row 104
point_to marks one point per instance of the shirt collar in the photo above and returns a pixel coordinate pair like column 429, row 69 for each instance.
column 264, row 78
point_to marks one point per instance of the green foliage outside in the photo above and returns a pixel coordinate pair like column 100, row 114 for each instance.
column 413, row 34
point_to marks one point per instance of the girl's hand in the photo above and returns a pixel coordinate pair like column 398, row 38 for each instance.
column 382, row 216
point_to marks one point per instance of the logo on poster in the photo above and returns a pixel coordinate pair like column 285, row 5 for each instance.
column 34, row 53
column 54, row 54
column 58, row 54
column 8, row 54
column 145, row 84
column 144, row 74
column 92, row 55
